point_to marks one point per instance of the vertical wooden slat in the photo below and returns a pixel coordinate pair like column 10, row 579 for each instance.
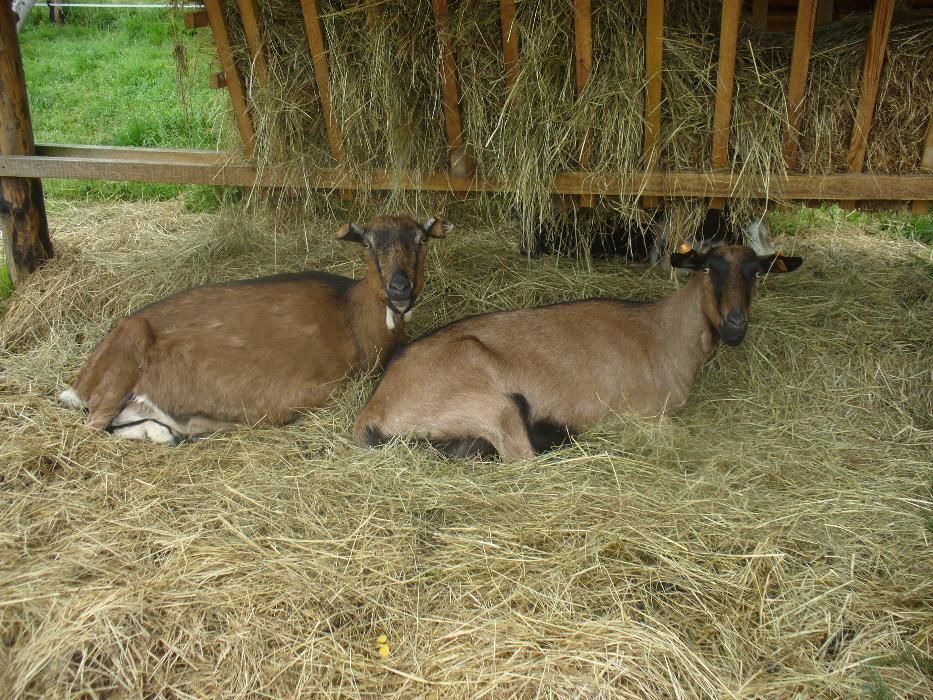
column 583, row 63
column 654, row 58
column 922, row 206
column 509, row 41
column 249, row 13
column 760, row 14
column 871, row 79
column 824, row 12
column 460, row 163
column 22, row 204
column 728, row 36
column 234, row 80
column 797, row 83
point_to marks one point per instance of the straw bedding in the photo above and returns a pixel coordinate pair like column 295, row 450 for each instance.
column 772, row 541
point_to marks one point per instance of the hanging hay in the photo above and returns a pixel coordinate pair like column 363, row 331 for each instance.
column 772, row 541
column 384, row 58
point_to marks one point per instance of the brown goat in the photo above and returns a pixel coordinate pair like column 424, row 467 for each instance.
column 256, row 350
column 516, row 382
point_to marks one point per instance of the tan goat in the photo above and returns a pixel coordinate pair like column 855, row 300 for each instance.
column 256, row 350
column 516, row 382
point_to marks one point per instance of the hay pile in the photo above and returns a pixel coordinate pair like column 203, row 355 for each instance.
column 772, row 541
column 385, row 74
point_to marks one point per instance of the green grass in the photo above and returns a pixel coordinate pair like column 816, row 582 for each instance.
column 893, row 224
column 110, row 77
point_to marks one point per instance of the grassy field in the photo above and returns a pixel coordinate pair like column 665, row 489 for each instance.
column 111, row 77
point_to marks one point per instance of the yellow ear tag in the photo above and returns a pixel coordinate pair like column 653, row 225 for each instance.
column 684, row 248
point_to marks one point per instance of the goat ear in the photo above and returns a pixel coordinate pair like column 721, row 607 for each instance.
column 779, row 263
column 438, row 228
column 687, row 258
column 351, row 233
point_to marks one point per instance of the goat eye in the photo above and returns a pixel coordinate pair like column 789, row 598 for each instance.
column 759, row 274
column 705, row 270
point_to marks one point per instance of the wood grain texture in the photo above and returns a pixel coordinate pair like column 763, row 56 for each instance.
column 797, row 83
column 22, row 204
column 507, row 13
column 583, row 66
column 315, row 35
column 212, row 167
column 725, row 79
column 194, row 20
column 922, row 206
column 249, row 14
column 234, row 80
column 654, row 59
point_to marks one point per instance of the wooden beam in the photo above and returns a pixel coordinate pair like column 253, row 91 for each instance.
column 509, row 41
column 824, row 12
column 249, row 14
column 218, row 80
column 234, row 81
column 922, row 206
column 728, row 36
column 797, row 83
column 315, row 35
column 760, row 15
column 583, row 66
column 22, row 204
column 871, row 79
column 217, row 168
column 461, row 164
column 654, row 58
column 194, row 20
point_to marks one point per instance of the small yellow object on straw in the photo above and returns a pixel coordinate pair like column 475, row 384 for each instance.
column 381, row 639
column 383, row 650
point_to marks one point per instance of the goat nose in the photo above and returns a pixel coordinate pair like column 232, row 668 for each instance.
column 400, row 285
column 736, row 318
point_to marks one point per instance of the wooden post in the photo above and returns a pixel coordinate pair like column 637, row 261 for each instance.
column 760, row 15
column 824, row 12
column 509, row 41
column 583, row 64
column 922, row 206
column 22, row 205
column 315, row 36
column 654, row 56
column 797, row 83
column 728, row 36
column 461, row 164
column 871, row 79
column 249, row 13
column 234, row 81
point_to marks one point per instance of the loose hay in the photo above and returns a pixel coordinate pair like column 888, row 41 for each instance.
column 772, row 541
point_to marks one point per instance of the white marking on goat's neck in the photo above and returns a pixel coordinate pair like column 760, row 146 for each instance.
column 390, row 319
column 408, row 315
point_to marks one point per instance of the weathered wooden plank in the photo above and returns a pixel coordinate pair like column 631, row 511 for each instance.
column 210, row 167
column 509, row 41
column 217, row 80
column 921, row 206
column 196, row 19
column 315, row 36
column 797, row 83
column 722, row 117
column 249, row 14
column 875, row 50
column 22, row 204
column 232, row 73
column 654, row 59
column 760, row 15
column 461, row 164
column 583, row 66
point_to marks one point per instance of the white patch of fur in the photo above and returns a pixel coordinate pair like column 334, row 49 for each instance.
column 141, row 408
column 149, row 430
column 408, row 315
column 390, row 319
column 70, row 398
